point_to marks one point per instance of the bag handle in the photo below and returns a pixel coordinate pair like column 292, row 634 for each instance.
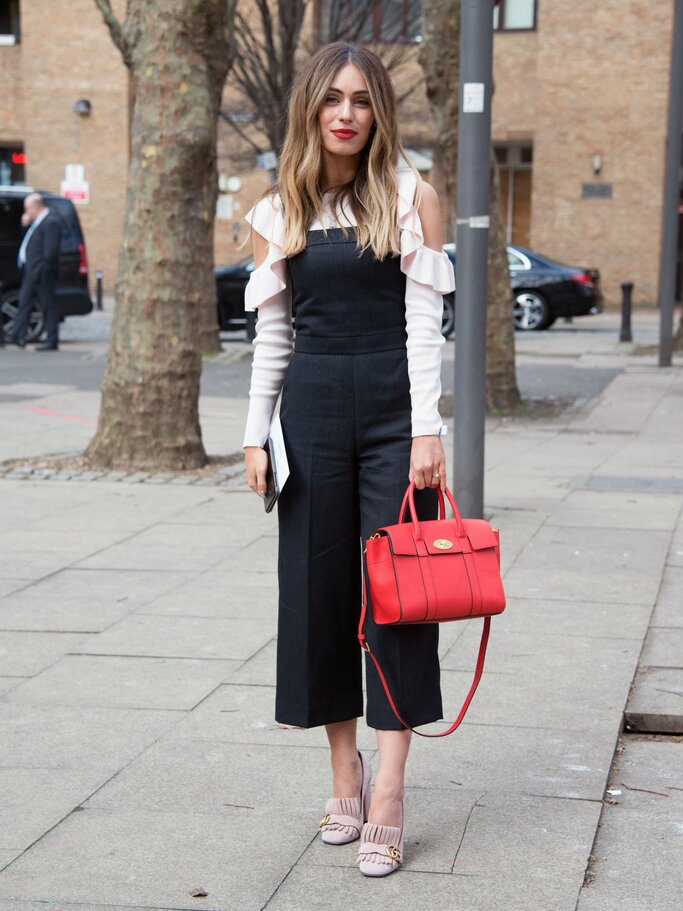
column 473, row 688
column 409, row 502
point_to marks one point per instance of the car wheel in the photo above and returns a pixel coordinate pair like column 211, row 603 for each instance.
column 9, row 307
column 448, row 322
column 531, row 312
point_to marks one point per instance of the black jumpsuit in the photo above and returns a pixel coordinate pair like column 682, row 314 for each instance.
column 346, row 419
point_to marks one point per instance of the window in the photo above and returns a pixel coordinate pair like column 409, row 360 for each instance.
column 385, row 20
column 9, row 22
column 514, row 15
column 12, row 162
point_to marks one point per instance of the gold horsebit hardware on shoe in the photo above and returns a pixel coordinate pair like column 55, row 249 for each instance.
column 324, row 820
column 394, row 853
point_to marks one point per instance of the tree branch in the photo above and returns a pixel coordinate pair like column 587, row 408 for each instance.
column 116, row 29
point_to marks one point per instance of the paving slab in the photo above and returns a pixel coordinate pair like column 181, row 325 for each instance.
column 217, row 778
column 7, row 586
column 656, row 701
column 123, row 682
column 567, row 763
column 31, row 554
column 87, row 600
column 51, row 737
column 663, row 647
column 588, row 619
column 590, row 564
column 669, row 607
column 54, row 794
column 9, row 683
column 23, row 654
column 615, row 509
column 155, row 860
column 639, row 845
column 181, row 637
column 215, row 594
column 246, row 714
column 538, row 844
column 258, row 670
column 182, row 547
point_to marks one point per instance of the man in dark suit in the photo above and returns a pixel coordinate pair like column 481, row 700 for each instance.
column 39, row 262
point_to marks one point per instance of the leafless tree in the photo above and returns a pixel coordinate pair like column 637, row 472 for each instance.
column 440, row 60
column 178, row 54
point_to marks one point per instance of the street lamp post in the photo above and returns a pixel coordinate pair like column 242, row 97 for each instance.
column 474, row 149
column 667, row 264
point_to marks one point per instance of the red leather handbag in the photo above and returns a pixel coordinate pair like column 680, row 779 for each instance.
column 430, row 572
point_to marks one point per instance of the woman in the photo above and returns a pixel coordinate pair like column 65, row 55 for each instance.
column 349, row 242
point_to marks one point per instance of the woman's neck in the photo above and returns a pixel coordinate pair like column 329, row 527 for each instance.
column 337, row 170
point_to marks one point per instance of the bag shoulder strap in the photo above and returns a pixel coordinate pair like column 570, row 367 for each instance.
column 473, row 688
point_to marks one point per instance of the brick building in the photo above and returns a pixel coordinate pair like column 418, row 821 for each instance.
column 579, row 121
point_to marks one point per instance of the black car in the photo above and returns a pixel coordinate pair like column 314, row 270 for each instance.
column 544, row 290
column 72, row 291
column 232, row 280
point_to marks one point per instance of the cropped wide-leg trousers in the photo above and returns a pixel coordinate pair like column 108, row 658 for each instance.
column 346, row 420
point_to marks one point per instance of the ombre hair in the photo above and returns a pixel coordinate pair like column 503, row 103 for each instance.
column 372, row 194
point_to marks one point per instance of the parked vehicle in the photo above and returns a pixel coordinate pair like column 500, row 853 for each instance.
column 232, row 280
column 544, row 290
column 72, row 291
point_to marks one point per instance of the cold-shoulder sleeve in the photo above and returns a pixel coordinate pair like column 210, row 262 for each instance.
column 419, row 262
column 429, row 275
column 268, row 292
column 270, row 278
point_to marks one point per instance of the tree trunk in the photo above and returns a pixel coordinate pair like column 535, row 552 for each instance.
column 501, row 381
column 439, row 57
column 178, row 54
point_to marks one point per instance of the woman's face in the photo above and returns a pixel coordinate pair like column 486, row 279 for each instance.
column 346, row 116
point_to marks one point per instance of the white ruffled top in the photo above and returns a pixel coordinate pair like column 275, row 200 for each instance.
column 429, row 275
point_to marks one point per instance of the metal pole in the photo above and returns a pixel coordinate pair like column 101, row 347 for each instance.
column 474, row 149
column 625, row 334
column 667, row 263
column 98, row 276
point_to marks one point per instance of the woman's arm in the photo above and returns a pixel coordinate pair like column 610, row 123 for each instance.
column 424, row 314
column 272, row 351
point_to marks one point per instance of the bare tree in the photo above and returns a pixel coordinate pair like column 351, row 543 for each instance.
column 270, row 45
column 178, row 54
column 440, row 59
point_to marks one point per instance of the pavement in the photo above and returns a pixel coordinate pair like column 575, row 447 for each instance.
column 139, row 759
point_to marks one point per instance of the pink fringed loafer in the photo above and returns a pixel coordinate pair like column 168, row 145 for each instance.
column 344, row 816
column 381, row 849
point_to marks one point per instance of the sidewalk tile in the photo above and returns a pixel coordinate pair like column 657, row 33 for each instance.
column 123, row 682
column 180, row 637
column 155, row 860
column 52, row 737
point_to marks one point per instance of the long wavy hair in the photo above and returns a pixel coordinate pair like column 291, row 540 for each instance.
column 372, row 193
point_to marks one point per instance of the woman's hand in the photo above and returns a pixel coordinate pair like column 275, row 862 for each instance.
column 427, row 462
column 256, row 464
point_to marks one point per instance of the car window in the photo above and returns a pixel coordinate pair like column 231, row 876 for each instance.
column 68, row 221
column 10, row 220
column 515, row 261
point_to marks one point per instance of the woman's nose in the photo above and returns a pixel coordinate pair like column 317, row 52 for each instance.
column 345, row 113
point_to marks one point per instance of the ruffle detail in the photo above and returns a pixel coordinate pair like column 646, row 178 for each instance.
column 375, row 848
column 270, row 278
column 419, row 262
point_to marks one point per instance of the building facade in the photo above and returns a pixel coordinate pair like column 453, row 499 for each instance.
column 579, row 125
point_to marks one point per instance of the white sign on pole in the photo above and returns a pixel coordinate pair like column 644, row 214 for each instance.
column 74, row 186
column 473, row 98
